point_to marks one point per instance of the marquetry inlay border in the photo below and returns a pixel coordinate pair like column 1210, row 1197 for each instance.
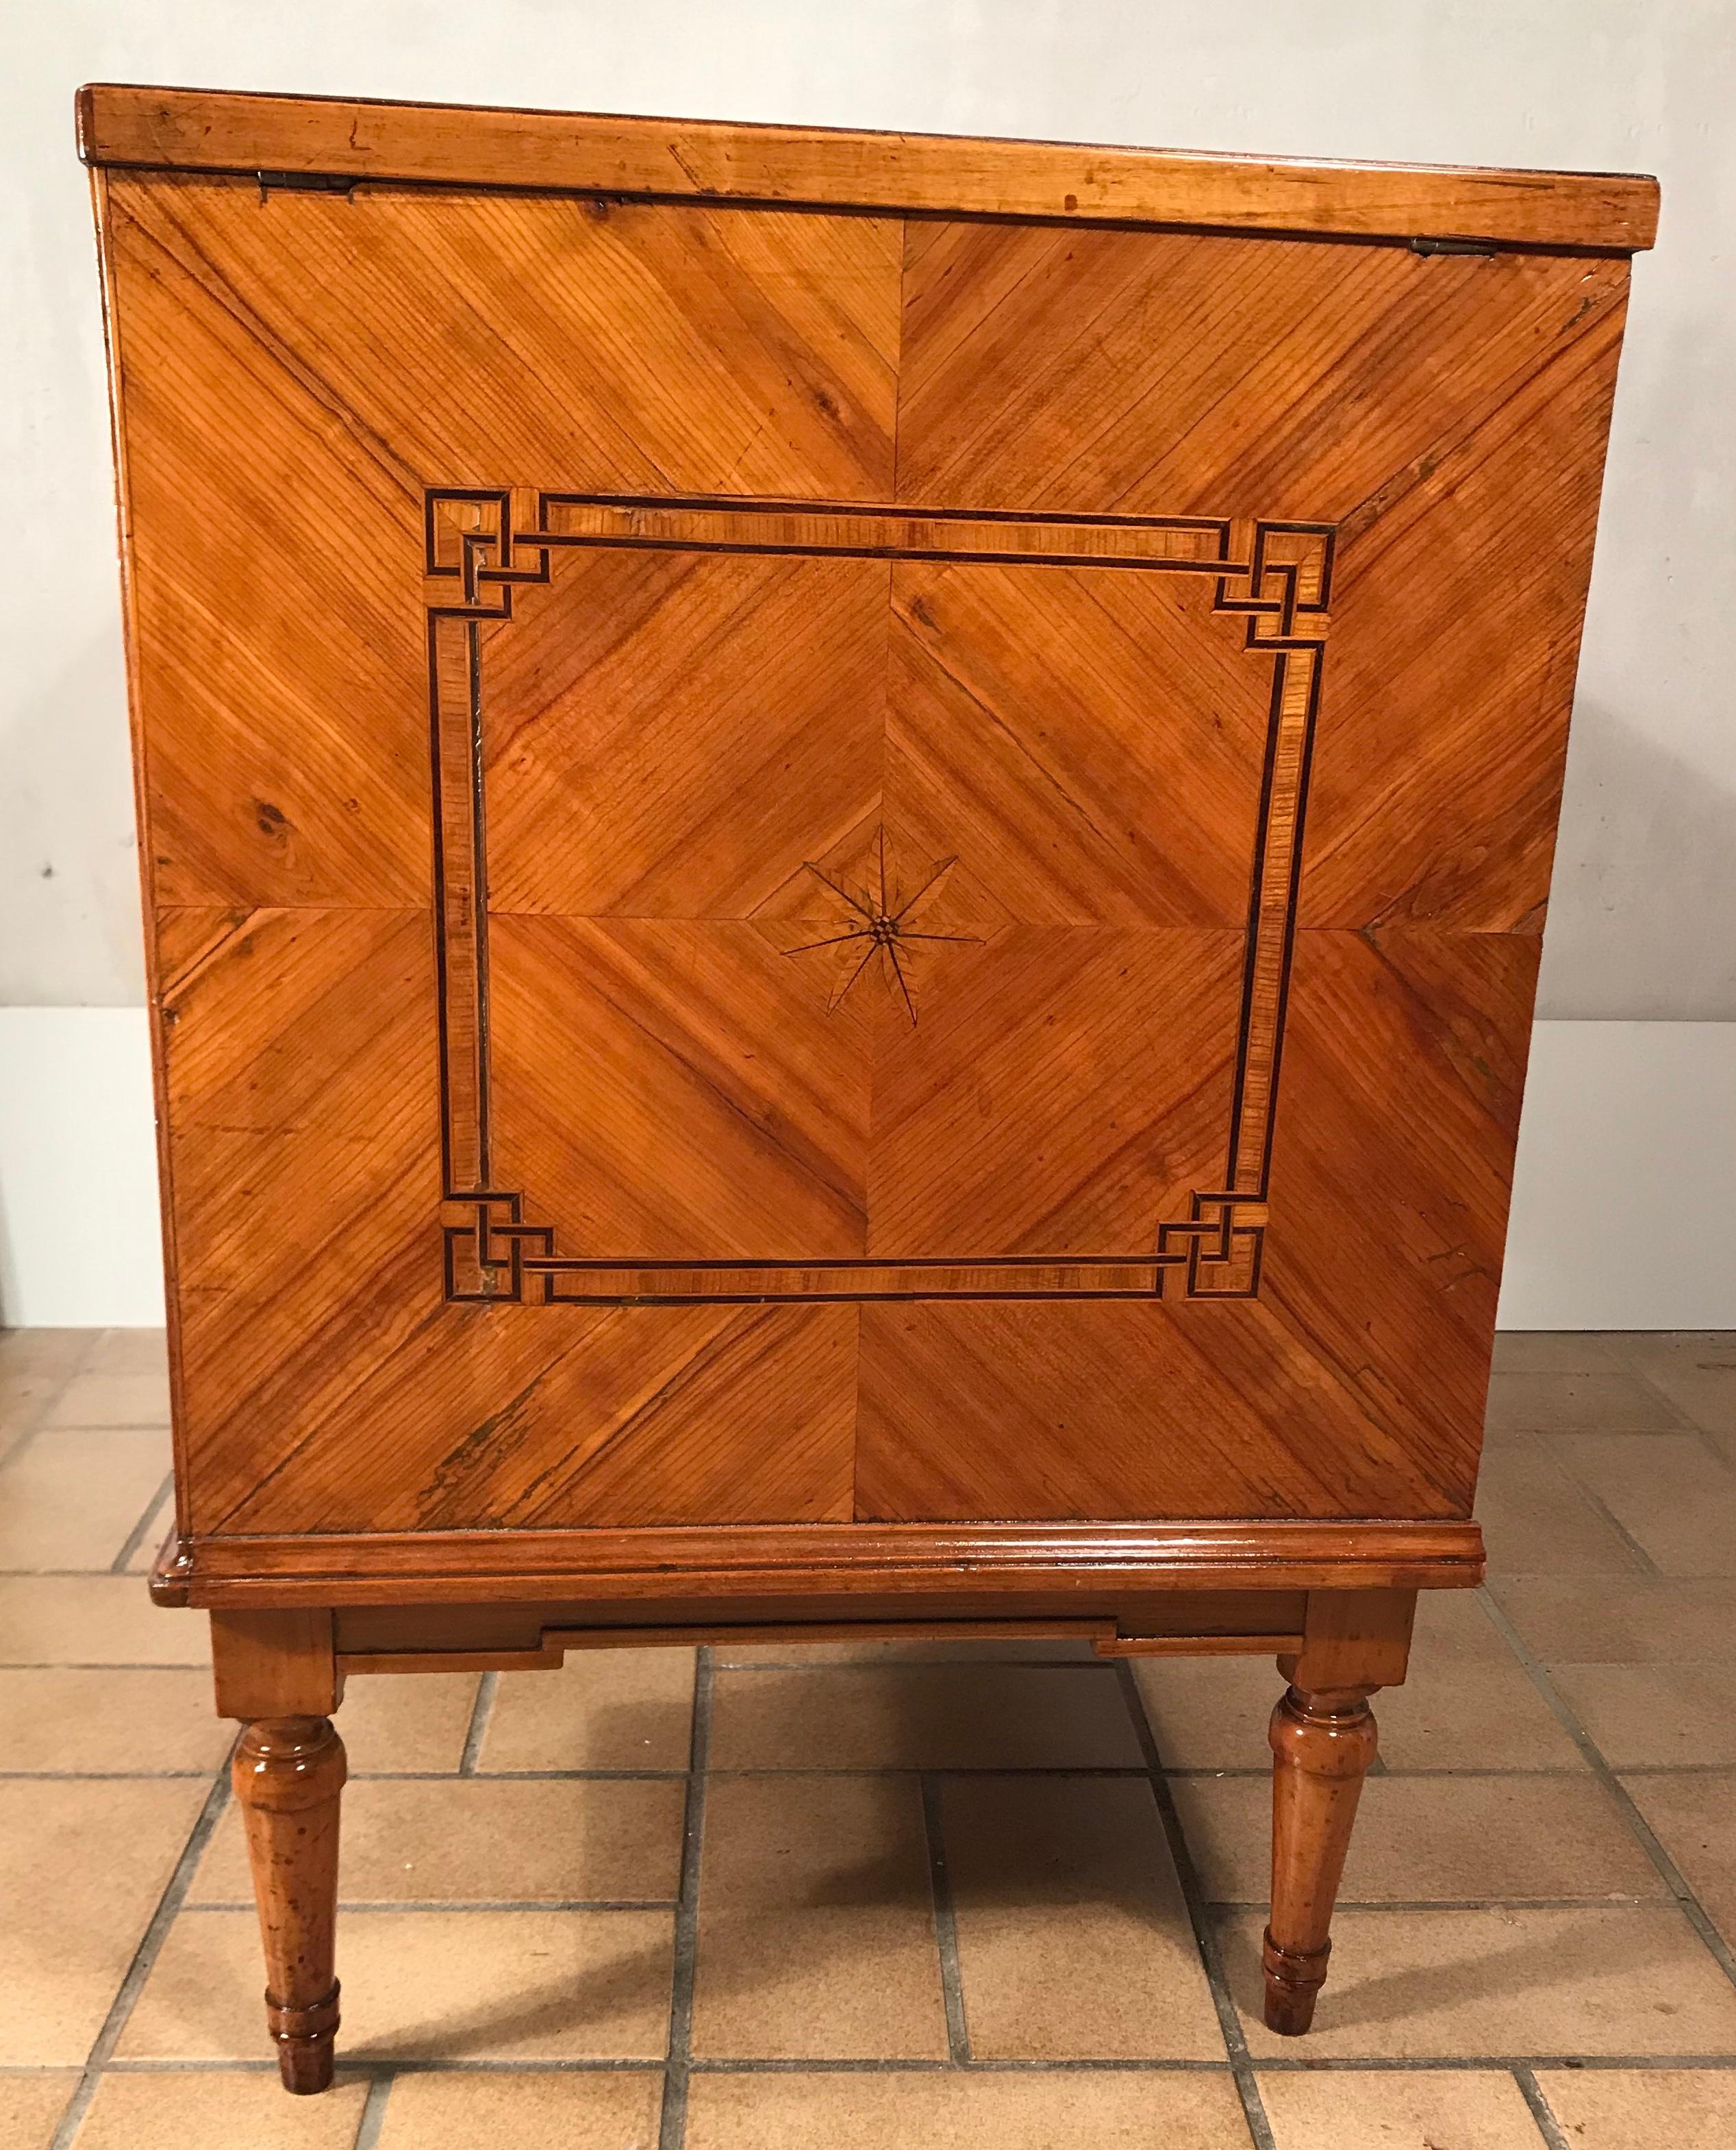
column 1276, row 575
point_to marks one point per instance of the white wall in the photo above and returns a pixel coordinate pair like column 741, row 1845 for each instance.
column 1643, row 923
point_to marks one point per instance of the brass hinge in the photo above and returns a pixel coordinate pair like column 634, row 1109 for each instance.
column 1451, row 246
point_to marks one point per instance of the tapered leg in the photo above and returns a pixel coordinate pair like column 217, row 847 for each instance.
column 288, row 1774
column 1322, row 1744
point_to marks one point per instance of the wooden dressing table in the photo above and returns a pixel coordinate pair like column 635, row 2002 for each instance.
column 844, row 844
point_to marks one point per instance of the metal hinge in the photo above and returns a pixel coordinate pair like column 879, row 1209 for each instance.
column 306, row 183
column 1451, row 246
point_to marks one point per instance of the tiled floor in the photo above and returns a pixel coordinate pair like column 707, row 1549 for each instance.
column 1012, row 1901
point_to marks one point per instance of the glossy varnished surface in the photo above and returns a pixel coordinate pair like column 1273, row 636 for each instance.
column 816, row 870
column 121, row 124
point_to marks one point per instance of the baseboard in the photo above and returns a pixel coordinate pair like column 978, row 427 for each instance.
column 1622, row 1203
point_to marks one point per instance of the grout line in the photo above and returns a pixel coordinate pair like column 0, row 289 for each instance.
column 142, row 1529
column 1638, row 1827
column 1548, row 2127
column 482, row 1711
column 373, row 2113
column 1472, row 2063
column 1575, row 1776
column 1408, row 2064
column 1230, row 2022
column 99, row 1776
column 363, row 1908
column 946, row 1923
column 97, row 1664
column 145, row 1958
column 1365, row 1905
column 908, row 2067
column 672, row 2131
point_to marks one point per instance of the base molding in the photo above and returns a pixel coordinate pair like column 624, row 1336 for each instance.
column 1089, row 1566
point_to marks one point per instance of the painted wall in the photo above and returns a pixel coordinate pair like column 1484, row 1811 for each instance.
column 1643, row 921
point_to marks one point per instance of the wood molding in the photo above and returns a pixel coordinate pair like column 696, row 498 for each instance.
column 366, row 138
column 761, row 1561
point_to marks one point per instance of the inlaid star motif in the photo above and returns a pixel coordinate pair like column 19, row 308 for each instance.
column 880, row 923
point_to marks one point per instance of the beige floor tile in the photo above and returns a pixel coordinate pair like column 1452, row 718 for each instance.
column 95, row 1620
column 60, row 1352
column 1463, row 1674
column 72, row 1500
column 1673, row 1715
column 30, row 2108
column 1703, row 1393
column 1694, row 1819
column 1671, row 1494
column 129, row 1351
column 1557, row 1351
column 1578, row 1403
column 467, row 1840
column 1209, row 1712
column 1650, row 1347
column 1433, row 1839
column 214, row 2111
column 34, row 1364
column 524, row 1985
column 1426, row 1984
column 1604, row 1620
column 816, row 1926
column 1537, row 1521
column 604, row 1709
column 24, row 1398
column 1460, row 2109
column 523, row 2111
column 1145, row 2111
column 110, row 1723
column 1073, row 1942
column 929, row 1717
column 112, row 1399
column 1695, row 1370
column 407, row 1721
column 82, row 1866
column 1453, row 1627
column 1456, row 1716
column 1642, row 2108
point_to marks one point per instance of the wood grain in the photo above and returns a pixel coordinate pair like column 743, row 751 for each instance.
column 827, row 870
column 121, row 124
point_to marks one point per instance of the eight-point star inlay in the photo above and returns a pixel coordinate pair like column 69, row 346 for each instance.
column 881, row 922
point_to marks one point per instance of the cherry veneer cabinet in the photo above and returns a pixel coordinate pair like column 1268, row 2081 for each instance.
column 845, row 838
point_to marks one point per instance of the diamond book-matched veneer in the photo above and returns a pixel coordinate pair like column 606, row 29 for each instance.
column 843, row 842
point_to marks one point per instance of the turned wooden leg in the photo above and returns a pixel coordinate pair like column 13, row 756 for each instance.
column 1354, row 1643
column 1322, row 1744
column 288, row 1774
